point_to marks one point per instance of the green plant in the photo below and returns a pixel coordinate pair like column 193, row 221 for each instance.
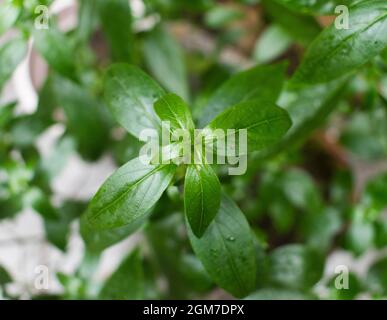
column 311, row 97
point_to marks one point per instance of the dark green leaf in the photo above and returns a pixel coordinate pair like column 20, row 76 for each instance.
column 165, row 60
column 130, row 94
column 227, row 250
column 377, row 277
column 301, row 28
column 263, row 82
column 129, row 194
column 4, row 276
column 116, row 21
column 202, row 193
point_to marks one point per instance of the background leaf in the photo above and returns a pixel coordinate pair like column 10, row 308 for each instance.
column 127, row 282
column 165, row 60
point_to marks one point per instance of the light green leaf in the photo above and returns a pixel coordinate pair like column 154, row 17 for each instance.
column 11, row 54
column 202, row 193
column 128, row 194
column 337, row 52
column 172, row 108
column 116, row 22
column 165, row 60
column 264, row 82
column 227, row 250
column 9, row 12
column 265, row 122
column 273, row 42
column 127, row 282
column 130, row 95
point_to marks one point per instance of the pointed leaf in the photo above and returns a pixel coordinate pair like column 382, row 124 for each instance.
column 227, row 250
column 128, row 194
column 201, row 197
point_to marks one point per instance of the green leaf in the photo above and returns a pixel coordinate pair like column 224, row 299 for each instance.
column 4, row 276
column 127, row 282
column 116, row 22
column 314, row 7
column 202, row 193
column 11, row 54
column 264, row 121
column 273, row 42
column 308, row 108
column 350, row 293
column 130, row 95
column 172, row 108
column 227, row 250
column 301, row 28
column 57, row 49
column 264, row 82
column 128, row 194
column 87, row 19
column 277, row 294
column 165, row 60
column 295, row 267
column 221, row 16
column 86, row 117
column 337, row 52
column 377, row 277
column 9, row 12
column 99, row 240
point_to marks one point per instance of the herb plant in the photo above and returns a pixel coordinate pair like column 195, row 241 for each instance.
column 305, row 81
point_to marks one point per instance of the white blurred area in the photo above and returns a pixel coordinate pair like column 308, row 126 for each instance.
column 22, row 240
